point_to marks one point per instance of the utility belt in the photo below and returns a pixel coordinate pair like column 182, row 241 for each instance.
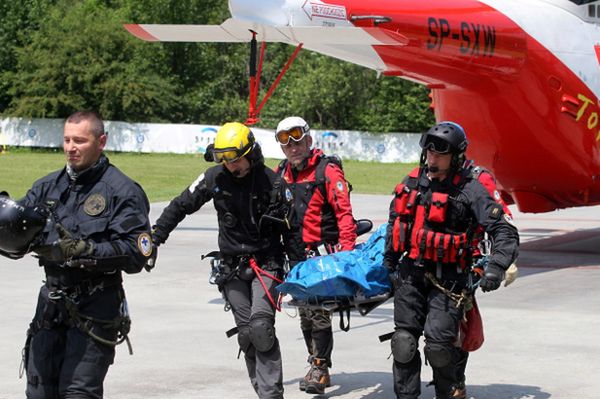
column 76, row 283
column 267, row 262
column 107, row 264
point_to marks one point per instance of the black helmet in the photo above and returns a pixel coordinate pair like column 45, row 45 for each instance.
column 19, row 225
column 445, row 137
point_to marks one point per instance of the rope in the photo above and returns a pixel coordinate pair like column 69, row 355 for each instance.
column 461, row 299
column 84, row 326
column 259, row 272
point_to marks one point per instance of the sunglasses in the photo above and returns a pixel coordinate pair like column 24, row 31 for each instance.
column 283, row 136
column 436, row 144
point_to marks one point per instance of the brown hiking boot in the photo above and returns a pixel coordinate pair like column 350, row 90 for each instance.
column 318, row 377
column 459, row 391
column 303, row 381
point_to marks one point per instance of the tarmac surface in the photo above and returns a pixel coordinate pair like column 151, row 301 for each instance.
column 542, row 332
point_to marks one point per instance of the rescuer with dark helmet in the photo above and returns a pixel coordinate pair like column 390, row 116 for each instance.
column 253, row 207
column 87, row 223
column 432, row 224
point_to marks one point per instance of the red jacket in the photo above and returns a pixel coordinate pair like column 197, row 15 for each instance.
column 323, row 220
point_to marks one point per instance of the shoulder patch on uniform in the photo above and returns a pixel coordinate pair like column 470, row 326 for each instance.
column 509, row 219
column 144, row 242
column 288, row 195
column 496, row 211
column 340, row 186
column 94, row 205
column 497, row 195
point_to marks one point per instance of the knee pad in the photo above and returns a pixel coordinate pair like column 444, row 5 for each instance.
column 404, row 346
column 437, row 355
column 244, row 338
column 262, row 334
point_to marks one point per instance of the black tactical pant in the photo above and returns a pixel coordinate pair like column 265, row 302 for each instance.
column 62, row 361
column 317, row 332
column 248, row 301
column 421, row 308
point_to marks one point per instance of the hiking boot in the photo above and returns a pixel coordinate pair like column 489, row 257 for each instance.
column 303, row 381
column 459, row 391
column 318, row 377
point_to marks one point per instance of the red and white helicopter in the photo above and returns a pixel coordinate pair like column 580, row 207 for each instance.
column 522, row 76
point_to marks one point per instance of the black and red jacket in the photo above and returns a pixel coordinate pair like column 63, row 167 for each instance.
column 322, row 207
column 434, row 222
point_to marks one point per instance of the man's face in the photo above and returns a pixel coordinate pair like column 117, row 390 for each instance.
column 297, row 151
column 439, row 164
column 81, row 147
column 239, row 168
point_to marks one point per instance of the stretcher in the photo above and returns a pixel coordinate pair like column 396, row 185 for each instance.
column 363, row 305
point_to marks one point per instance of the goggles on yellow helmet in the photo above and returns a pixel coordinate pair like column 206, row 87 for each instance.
column 230, row 155
column 296, row 133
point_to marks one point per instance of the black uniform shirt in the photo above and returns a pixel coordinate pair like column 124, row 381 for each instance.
column 102, row 205
column 240, row 203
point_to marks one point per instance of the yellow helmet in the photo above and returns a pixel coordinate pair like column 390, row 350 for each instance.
column 233, row 141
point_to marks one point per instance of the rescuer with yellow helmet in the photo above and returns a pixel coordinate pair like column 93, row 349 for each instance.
column 253, row 210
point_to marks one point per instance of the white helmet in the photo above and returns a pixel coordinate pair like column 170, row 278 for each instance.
column 291, row 122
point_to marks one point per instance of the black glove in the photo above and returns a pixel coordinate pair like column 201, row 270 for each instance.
column 492, row 277
column 394, row 277
column 151, row 262
column 159, row 235
column 65, row 248
column 157, row 239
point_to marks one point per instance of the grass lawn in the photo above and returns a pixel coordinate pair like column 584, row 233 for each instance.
column 164, row 176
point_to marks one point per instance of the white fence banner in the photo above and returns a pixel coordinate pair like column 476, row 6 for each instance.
column 190, row 139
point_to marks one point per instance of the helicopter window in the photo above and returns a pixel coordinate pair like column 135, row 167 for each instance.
column 592, row 10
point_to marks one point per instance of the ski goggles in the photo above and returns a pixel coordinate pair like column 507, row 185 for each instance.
column 230, row 154
column 283, row 136
column 436, row 144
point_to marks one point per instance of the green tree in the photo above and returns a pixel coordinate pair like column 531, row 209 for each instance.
column 81, row 57
column 18, row 19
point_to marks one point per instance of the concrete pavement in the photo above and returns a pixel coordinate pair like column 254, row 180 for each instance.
column 541, row 332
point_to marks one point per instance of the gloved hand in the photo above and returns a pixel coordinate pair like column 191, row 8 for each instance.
column 159, row 235
column 492, row 277
column 394, row 277
column 65, row 248
column 157, row 239
column 151, row 262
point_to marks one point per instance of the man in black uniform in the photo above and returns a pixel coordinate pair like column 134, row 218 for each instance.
column 432, row 222
column 98, row 226
column 252, row 205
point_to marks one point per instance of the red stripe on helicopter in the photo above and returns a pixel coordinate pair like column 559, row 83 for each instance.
column 140, row 32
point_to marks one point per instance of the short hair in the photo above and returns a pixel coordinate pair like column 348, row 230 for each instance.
column 96, row 124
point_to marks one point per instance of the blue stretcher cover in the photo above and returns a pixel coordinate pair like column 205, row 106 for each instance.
column 359, row 272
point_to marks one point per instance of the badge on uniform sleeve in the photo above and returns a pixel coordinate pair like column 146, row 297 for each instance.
column 340, row 186
column 288, row 195
column 94, row 205
column 145, row 244
column 497, row 195
column 509, row 219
